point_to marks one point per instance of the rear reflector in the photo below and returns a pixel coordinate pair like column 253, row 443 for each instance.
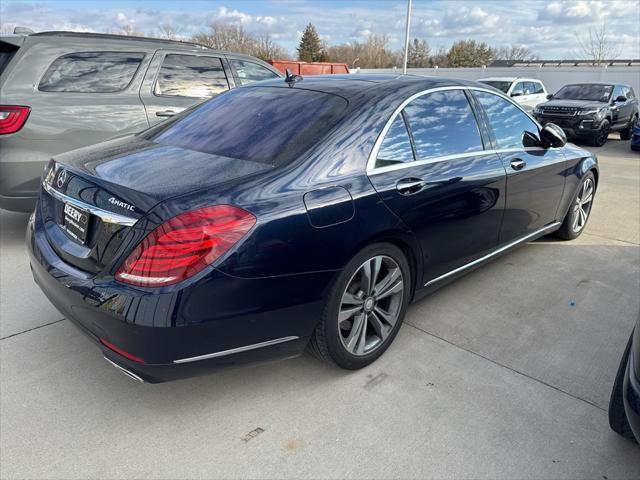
column 118, row 350
column 185, row 245
column 12, row 118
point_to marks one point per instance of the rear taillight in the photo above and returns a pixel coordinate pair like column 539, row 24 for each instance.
column 185, row 245
column 12, row 118
column 120, row 351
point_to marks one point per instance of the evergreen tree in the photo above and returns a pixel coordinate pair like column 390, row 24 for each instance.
column 311, row 48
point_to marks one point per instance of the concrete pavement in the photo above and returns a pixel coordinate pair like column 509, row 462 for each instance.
column 505, row 373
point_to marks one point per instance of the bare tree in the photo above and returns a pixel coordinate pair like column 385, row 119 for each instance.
column 372, row 53
column 597, row 46
column 129, row 30
column 267, row 49
column 221, row 36
column 518, row 53
column 169, row 31
column 418, row 54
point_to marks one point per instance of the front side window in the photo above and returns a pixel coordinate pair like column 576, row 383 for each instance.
column 519, row 87
column 442, row 123
column 191, row 76
column 91, row 72
column 396, row 146
column 617, row 91
column 269, row 125
column 249, row 72
column 507, row 121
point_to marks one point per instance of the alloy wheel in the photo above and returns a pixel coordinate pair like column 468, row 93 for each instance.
column 370, row 305
column 582, row 206
column 602, row 135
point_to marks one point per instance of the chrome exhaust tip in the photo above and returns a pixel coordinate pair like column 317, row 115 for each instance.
column 125, row 371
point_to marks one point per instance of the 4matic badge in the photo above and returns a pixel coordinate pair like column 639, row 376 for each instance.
column 121, row 204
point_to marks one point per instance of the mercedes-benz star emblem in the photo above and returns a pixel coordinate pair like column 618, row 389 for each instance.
column 62, row 177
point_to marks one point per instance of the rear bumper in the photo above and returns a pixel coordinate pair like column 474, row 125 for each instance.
column 219, row 322
column 631, row 394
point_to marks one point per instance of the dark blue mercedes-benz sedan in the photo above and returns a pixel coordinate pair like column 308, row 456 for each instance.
column 295, row 212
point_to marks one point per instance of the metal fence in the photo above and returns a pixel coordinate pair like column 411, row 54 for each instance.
column 552, row 77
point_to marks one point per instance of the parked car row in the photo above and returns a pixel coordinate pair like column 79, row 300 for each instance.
column 62, row 90
column 585, row 111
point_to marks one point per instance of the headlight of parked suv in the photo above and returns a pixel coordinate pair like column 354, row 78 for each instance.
column 598, row 112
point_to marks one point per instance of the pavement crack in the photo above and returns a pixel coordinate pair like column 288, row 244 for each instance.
column 31, row 329
column 518, row 372
column 610, row 238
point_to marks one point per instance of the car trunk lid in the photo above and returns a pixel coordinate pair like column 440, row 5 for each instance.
column 95, row 200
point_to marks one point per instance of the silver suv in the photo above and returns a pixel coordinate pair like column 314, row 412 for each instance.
column 61, row 90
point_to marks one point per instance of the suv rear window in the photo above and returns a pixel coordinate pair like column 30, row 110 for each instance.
column 268, row 124
column 91, row 72
column 6, row 54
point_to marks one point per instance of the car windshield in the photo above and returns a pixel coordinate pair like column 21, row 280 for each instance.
column 592, row 92
column 263, row 124
column 501, row 85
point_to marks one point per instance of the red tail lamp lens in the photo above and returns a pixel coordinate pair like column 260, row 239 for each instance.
column 185, row 245
column 118, row 350
column 12, row 118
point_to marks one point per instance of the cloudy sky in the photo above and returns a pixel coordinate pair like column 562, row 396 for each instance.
column 548, row 28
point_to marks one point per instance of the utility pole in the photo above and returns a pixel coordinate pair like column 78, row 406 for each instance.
column 406, row 38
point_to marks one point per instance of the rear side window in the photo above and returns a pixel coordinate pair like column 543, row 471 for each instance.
column 91, row 72
column 269, row 124
column 249, row 72
column 396, row 146
column 507, row 121
column 191, row 76
column 442, row 123
column 7, row 52
column 537, row 88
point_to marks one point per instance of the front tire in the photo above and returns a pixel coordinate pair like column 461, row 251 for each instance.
column 365, row 308
column 617, row 416
column 601, row 136
column 628, row 132
column 580, row 209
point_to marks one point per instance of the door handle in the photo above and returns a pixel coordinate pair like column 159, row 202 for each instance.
column 165, row 113
column 518, row 164
column 409, row 186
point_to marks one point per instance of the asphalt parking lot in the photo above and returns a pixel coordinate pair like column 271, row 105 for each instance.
column 504, row 374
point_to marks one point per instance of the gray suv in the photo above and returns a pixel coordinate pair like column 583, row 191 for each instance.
column 61, row 90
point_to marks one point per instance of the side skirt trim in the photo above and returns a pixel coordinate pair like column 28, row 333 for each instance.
column 223, row 353
column 498, row 251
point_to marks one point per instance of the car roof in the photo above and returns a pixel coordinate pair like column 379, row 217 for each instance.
column 366, row 85
column 508, row 79
column 155, row 43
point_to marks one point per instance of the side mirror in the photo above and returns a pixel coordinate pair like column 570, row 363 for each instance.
column 549, row 96
column 517, row 93
column 620, row 99
column 553, row 136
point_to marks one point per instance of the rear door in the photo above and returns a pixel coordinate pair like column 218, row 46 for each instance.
column 432, row 171
column 535, row 175
column 177, row 80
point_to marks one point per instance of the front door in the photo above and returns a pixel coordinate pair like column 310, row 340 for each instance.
column 178, row 80
column 433, row 172
column 535, row 175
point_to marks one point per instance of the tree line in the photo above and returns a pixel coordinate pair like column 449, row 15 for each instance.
column 374, row 51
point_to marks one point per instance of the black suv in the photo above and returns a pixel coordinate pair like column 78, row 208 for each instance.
column 590, row 111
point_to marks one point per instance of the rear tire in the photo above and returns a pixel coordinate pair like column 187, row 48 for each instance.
column 600, row 138
column 579, row 212
column 365, row 308
column 628, row 132
column 617, row 416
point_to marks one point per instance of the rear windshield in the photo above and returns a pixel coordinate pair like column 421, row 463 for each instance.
column 91, row 72
column 268, row 124
column 7, row 52
column 595, row 93
column 500, row 85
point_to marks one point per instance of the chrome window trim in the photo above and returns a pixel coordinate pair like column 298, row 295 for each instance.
column 231, row 351
column 371, row 161
column 497, row 251
column 104, row 215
